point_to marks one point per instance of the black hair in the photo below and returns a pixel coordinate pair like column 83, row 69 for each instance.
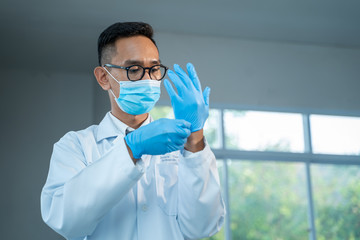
column 107, row 39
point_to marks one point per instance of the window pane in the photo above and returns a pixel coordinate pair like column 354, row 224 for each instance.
column 264, row 131
column 335, row 134
column 337, row 203
column 212, row 128
column 268, row 200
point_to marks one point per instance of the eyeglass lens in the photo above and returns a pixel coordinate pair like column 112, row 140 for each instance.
column 137, row 72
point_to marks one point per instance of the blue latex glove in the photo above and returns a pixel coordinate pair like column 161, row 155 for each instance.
column 190, row 103
column 158, row 137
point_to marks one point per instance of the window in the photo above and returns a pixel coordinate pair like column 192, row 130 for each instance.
column 276, row 181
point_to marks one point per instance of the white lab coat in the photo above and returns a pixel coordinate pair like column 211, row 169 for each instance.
column 95, row 191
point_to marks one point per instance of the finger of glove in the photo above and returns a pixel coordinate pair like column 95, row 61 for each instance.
column 193, row 76
column 206, row 95
column 183, row 129
column 183, row 132
column 180, row 86
column 170, row 90
column 183, row 123
column 175, row 148
column 184, row 76
column 179, row 141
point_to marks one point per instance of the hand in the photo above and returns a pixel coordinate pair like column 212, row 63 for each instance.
column 190, row 103
column 158, row 137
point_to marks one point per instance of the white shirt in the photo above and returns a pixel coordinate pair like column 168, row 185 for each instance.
column 95, row 191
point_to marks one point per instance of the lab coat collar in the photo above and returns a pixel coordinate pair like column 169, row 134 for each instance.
column 110, row 126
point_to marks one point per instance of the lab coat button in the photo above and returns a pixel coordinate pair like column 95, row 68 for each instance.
column 144, row 208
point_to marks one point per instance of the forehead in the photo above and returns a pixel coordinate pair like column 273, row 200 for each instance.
column 136, row 48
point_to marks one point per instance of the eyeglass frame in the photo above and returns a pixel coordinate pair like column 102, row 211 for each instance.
column 144, row 68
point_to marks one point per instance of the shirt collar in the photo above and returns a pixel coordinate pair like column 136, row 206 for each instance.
column 110, row 126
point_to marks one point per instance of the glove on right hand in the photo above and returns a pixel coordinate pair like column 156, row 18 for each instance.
column 190, row 103
column 158, row 137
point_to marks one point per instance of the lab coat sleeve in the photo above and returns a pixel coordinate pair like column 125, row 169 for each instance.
column 201, row 210
column 76, row 195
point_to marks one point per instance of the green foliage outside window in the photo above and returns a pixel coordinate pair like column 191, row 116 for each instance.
column 268, row 200
column 337, row 201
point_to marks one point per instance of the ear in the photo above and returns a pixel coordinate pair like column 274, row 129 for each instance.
column 101, row 77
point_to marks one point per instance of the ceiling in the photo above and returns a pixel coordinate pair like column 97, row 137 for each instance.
column 62, row 35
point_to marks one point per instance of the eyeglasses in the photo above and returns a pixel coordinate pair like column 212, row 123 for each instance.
column 137, row 72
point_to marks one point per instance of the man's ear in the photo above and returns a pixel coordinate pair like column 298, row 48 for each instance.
column 101, row 77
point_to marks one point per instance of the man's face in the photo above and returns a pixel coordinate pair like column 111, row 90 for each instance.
column 137, row 50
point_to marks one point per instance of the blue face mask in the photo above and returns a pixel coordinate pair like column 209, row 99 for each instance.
column 137, row 97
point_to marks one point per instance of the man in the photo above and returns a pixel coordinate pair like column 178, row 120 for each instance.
column 131, row 177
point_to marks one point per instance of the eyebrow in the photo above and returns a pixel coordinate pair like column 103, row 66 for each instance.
column 137, row 62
